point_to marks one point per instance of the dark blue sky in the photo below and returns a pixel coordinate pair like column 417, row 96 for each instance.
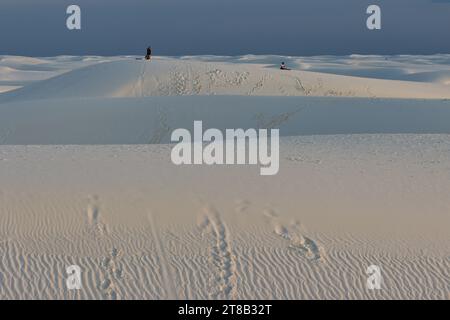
column 224, row 27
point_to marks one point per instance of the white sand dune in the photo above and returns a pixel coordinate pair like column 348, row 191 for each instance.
column 86, row 178
column 8, row 88
column 17, row 72
column 129, row 77
column 435, row 68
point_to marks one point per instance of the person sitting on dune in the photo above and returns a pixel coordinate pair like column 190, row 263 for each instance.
column 283, row 66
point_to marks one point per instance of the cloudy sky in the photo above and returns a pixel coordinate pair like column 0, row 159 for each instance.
column 224, row 27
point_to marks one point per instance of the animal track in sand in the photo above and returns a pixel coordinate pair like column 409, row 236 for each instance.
column 242, row 206
column 179, row 83
column 303, row 158
column 221, row 79
column 257, row 87
column 300, row 87
column 197, row 85
column 162, row 128
column 223, row 281
column 98, row 227
column 111, row 273
column 275, row 121
column 270, row 213
column 138, row 88
column 306, row 246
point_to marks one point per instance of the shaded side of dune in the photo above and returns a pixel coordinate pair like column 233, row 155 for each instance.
column 152, row 119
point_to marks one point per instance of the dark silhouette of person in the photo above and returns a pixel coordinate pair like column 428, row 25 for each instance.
column 149, row 53
column 283, row 66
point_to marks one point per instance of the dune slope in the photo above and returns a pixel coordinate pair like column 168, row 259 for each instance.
column 169, row 77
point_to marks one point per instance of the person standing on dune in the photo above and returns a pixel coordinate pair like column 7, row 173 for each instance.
column 149, row 53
